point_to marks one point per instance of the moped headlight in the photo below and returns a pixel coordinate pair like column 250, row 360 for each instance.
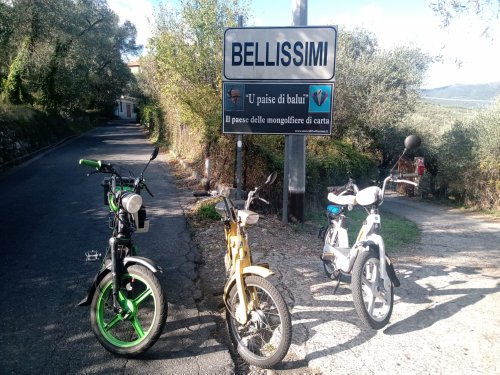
column 131, row 202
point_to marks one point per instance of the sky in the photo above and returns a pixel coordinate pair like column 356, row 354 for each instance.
column 466, row 57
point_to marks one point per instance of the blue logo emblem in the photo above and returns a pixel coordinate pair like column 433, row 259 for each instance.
column 320, row 97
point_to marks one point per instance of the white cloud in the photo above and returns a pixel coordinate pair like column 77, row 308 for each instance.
column 466, row 56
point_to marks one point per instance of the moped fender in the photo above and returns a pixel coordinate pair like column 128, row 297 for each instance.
column 391, row 272
column 97, row 279
column 257, row 270
column 249, row 270
column 389, row 268
column 148, row 263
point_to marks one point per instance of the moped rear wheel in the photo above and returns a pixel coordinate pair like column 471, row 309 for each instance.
column 372, row 302
column 265, row 339
column 144, row 310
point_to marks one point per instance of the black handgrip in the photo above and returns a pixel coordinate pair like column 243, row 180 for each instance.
column 201, row 194
column 407, row 175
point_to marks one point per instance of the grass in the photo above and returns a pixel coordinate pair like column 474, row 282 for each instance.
column 397, row 232
column 205, row 210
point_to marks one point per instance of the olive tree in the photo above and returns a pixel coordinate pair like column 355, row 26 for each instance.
column 184, row 68
column 63, row 55
column 374, row 90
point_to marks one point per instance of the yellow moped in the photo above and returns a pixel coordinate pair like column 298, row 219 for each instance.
column 257, row 316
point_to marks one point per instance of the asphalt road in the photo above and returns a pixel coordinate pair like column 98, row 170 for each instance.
column 52, row 214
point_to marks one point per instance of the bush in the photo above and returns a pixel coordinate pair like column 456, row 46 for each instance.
column 206, row 211
column 24, row 130
column 330, row 162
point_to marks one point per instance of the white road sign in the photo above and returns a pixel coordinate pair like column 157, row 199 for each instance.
column 280, row 53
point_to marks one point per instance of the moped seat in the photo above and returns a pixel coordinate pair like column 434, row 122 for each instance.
column 369, row 196
column 342, row 200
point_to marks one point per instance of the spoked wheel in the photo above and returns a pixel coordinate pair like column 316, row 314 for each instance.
column 264, row 340
column 144, row 310
column 372, row 302
column 331, row 238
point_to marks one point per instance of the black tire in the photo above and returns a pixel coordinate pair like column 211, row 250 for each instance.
column 372, row 302
column 328, row 265
column 143, row 297
column 265, row 339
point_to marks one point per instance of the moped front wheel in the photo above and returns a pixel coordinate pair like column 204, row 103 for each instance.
column 137, row 324
column 372, row 301
column 265, row 338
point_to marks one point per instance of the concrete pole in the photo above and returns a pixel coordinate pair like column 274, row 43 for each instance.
column 297, row 144
column 286, row 173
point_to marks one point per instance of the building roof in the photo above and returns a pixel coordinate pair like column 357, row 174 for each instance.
column 131, row 64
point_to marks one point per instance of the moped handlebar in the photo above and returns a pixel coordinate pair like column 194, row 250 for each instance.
column 349, row 187
column 406, row 175
column 201, row 194
column 91, row 163
column 98, row 165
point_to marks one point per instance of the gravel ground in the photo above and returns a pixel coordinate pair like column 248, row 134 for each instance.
column 445, row 316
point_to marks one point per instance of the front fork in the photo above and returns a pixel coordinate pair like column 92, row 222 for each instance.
column 237, row 280
column 241, row 311
column 377, row 239
column 116, row 272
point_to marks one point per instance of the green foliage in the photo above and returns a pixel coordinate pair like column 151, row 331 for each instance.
column 13, row 89
column 331, row 163
column 206, row 211
column 398, row 232
column 184, row 67
column 488, row 156
column 374, row 88
column 24, row 130
column 461, row 149
column 151, row 117
column 63, row 55
column 457, row 161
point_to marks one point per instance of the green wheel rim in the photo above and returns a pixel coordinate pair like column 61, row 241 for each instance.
column 127, row 329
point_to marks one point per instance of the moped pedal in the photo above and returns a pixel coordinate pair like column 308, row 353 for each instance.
column 92, row 256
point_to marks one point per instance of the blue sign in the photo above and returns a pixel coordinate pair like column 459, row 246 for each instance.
column 277, row 108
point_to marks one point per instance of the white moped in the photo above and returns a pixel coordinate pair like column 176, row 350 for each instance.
column 366, row 262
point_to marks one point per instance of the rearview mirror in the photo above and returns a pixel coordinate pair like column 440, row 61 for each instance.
column 412, row 142
column 271, row 178
column 155, row 153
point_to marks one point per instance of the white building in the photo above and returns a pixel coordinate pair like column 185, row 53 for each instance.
column 126, row 108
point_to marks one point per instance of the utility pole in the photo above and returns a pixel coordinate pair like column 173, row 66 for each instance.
column 295, row 151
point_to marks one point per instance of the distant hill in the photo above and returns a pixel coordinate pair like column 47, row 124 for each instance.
column 467, row 96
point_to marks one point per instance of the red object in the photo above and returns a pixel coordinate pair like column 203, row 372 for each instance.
column 420, row 167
